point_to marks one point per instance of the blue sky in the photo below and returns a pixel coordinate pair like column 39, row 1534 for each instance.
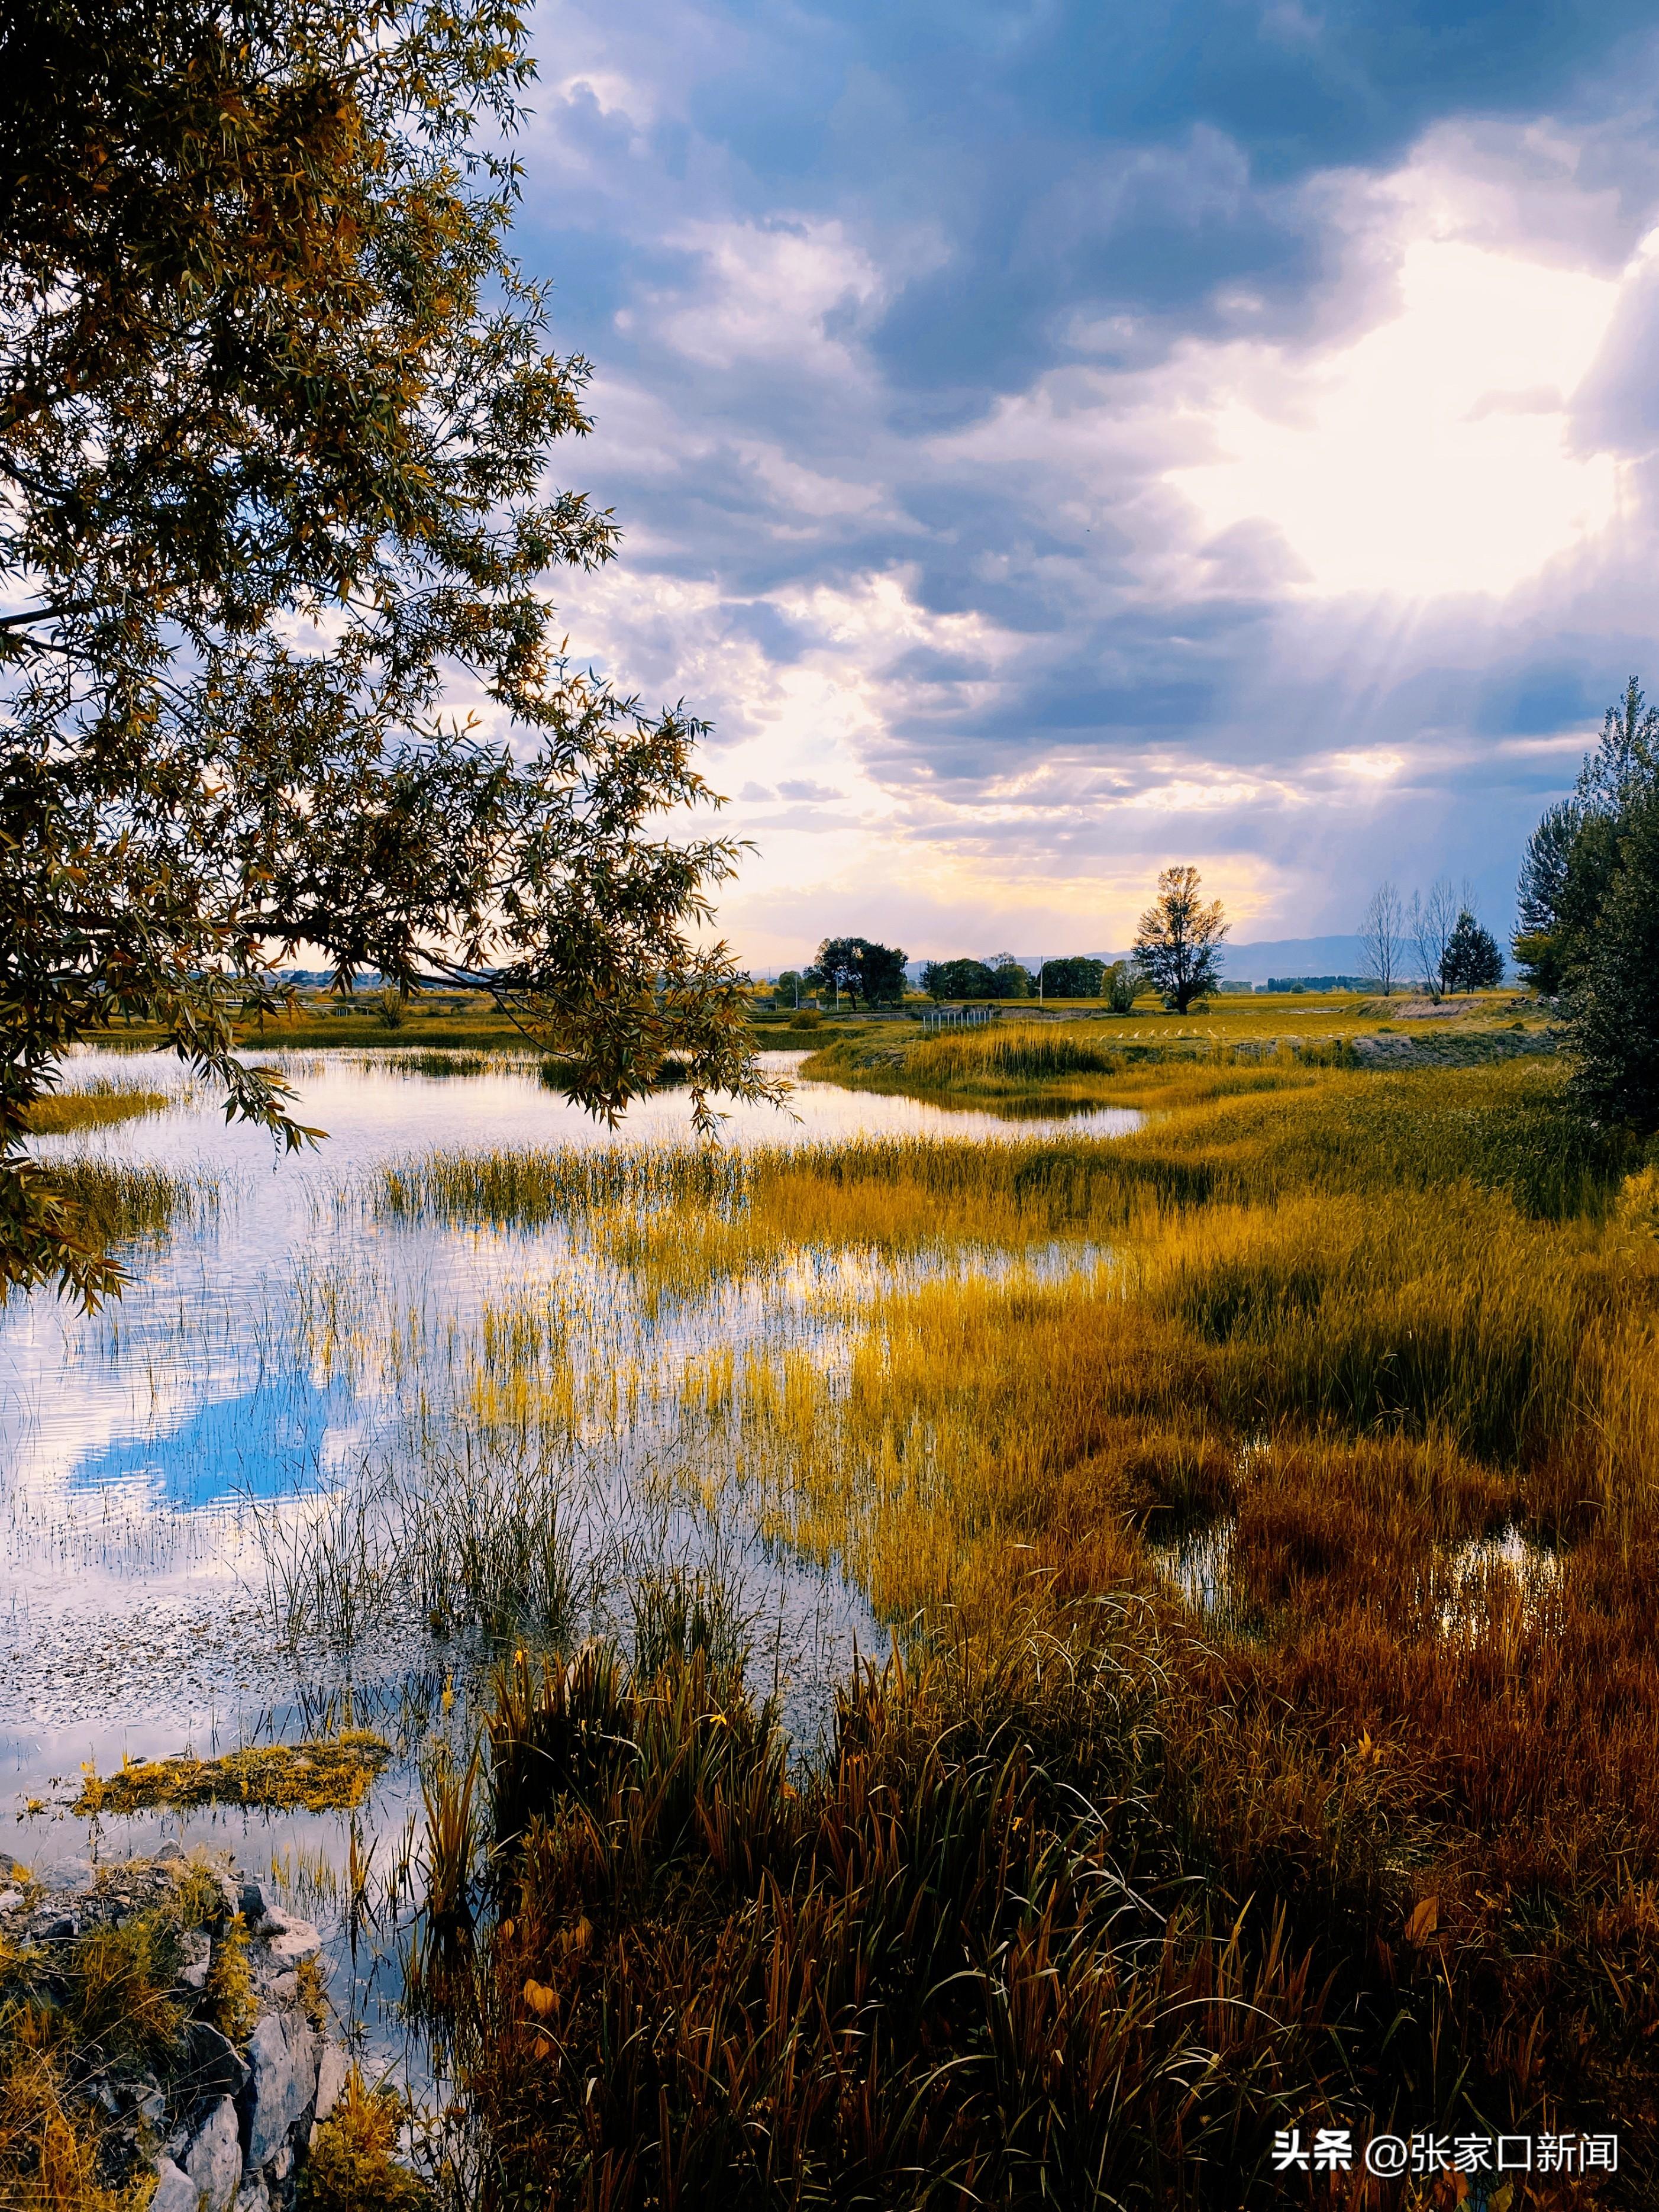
column 1054, row 441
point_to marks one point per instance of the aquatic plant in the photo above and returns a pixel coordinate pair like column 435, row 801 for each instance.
column 354, row 2163
column 318, row 1776
column 940, row 1963
column 97, row 1105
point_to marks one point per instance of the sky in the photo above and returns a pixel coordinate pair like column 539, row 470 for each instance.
column 1053, row 441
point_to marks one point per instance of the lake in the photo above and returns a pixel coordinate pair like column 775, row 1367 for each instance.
column 175, row 1469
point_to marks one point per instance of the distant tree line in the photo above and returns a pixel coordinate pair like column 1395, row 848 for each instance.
column 857, row 968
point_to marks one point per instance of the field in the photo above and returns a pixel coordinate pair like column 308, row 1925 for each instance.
column 1258, row 1728
column 1270, row 1736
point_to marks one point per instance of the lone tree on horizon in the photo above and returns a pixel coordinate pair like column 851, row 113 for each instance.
column 278, row 407
column 1177, row 947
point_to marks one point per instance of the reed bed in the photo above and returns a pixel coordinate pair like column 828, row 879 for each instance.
column 936, row 1973
column 1376, row 1356
column 121, row 1203
column 100, row 1104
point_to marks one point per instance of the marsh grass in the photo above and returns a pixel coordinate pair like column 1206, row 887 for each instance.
column 1354, row 1413
column 99, row 1104
column 123, row 1205
column 316, row 1776
column 483, row 1534
column 935, row 1970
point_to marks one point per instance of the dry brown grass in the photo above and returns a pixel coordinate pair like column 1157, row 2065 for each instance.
column 1352, row 1405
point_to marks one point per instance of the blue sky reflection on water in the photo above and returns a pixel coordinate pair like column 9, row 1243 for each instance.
column 280, row 1347
column 279, row 1343
column 259, row 1443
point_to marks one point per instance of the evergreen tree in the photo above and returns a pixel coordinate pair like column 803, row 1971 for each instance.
column 1589, row 914
column 1473, row 961
column 1613, row 1013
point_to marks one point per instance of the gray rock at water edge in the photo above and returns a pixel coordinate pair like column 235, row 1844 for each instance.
column 67, row 1876
column 331, row 2079
column 290, row 1938
column 214, row 2161
column 174, row 2191
column 169, row 1853
column 282, row 2053
column 250, row 1902
column 216, row 2068
column 11, row 1899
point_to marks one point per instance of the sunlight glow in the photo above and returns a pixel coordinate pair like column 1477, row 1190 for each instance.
column 1433, row 456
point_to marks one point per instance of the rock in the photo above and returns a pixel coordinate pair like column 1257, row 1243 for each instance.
column 174, row 2191
column 68, row 1875
column 290, row 1938
column 214, row 2162
column 250, row 1902
column 331, row 2079
column 198, row 1957
column 282, row 2053
column 216, row 2069
column 252, row 2197
column 11, row 1899
column 169, row 1854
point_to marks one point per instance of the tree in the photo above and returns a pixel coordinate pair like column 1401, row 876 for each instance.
column 1431, row 921
column 1076, row 978
column 1473, row 961
column 1613, row 997
column 958, row 979
column 1383, row 933
column 1008, row 979
column 859, row 968
column 1121, row 985
column 1177, row 948
column 788, row 986
column 1588, row 914
column 277, row 411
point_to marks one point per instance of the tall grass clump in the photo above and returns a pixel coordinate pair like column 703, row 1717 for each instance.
column 485, row 1534
column 99, row 1104
column 940, row 1967
column 530, row 1187
column 119, row 1203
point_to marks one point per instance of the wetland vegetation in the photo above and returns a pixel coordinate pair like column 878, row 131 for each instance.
column 1247, row 1514
column 1270, row 1729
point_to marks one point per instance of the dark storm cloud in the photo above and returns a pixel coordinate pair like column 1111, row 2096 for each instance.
column 908, row 293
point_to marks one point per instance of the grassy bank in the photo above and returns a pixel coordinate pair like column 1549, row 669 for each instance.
column 1276, row 1740
column 1078, row 1062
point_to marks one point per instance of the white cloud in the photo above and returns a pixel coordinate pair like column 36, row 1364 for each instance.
column 1433, row 456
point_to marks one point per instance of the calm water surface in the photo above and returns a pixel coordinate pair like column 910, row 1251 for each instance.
column 270, row 1351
